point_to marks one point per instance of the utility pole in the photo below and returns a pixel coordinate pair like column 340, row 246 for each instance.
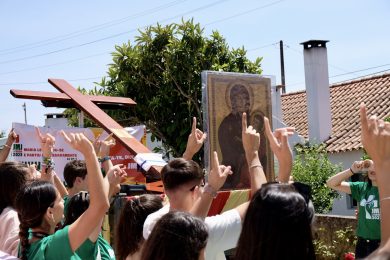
column 282, row 67
column 25, row 113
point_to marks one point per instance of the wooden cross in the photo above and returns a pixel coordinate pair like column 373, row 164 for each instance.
column 91, row 105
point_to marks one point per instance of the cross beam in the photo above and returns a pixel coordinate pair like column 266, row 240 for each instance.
column 90, row 105
column 50, row 99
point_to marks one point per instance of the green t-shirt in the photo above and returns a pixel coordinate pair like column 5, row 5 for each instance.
column 66, row 204
column 56, row 246
column 369, row 211
column 89, row 250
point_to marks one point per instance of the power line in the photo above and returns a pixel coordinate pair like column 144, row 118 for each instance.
column 44, row 82
column 112, row 36
column 246, row 12
column 99, row 54
column 87, row 30
column 300, row 52
column 262, row 47
column 54, row 64
column 362, row 76
column 352, row 72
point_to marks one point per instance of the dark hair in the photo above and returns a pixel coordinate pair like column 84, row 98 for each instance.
column 277, row 225
column 177, row 235
column 74, row 169
column 32, row 203
column 180, row 171
column 130, row 225
column 13, row 177
column 78, row 204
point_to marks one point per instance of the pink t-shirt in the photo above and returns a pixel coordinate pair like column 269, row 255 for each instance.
column 9, row 231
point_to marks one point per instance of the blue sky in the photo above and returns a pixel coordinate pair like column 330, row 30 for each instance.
column 73, row 39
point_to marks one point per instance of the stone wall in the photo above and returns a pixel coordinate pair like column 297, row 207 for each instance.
column 334, row 235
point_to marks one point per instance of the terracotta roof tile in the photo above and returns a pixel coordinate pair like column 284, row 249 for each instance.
column 345, row 99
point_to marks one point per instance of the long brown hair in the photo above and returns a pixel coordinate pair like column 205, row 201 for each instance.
column 32, row 203
column 128, row 238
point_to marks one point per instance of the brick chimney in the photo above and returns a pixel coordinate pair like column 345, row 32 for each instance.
column 317, row 90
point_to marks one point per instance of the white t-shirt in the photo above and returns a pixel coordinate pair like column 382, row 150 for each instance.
column 224, row 231
column 9, row 231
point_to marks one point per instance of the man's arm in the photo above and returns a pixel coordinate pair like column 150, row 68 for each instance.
column 216, row 179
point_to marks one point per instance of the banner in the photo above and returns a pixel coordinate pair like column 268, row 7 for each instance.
column 27, row 149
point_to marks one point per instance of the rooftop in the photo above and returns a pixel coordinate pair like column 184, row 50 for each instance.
column 345, row 99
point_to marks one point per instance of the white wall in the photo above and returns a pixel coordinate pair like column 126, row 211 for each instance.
column 341, row 205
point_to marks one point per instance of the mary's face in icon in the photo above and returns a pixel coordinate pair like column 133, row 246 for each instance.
column 239, row 98
column 242, row 103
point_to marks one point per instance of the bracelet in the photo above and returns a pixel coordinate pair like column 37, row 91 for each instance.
column 352, row 171
column 105, row 158
column 207, row 188
column 48, row 162
column 256, row 165
column 387, row 198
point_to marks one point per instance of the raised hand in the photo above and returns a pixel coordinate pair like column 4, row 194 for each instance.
column 78, row 142
column 116, row 174
column 375, row 136
column 278, row 141
column 11, row 137
column 47, row 142
column 194, row 142
column 359, row 166
column 250, row 139
column 218, row 173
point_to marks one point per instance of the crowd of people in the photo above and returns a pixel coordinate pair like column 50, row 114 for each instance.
column 40, row 218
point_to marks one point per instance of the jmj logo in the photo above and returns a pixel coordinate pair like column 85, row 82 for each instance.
column 370, row 207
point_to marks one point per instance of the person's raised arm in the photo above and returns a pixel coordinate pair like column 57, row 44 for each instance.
column 194, row 142
column 8, row 145
column 47, row 142
column 251, row 142
column 278, row 141
column 102, row 148
column 338, row 181
column 216, row 179
column 115, row 176
column 82, row 228
column 376, row 140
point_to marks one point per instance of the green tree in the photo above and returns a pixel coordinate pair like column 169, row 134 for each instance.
column 312, row 166
column 161, row 71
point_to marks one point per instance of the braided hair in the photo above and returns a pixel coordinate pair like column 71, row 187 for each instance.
column 31, row 204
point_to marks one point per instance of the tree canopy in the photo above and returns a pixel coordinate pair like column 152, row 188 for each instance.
column 161, row 71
